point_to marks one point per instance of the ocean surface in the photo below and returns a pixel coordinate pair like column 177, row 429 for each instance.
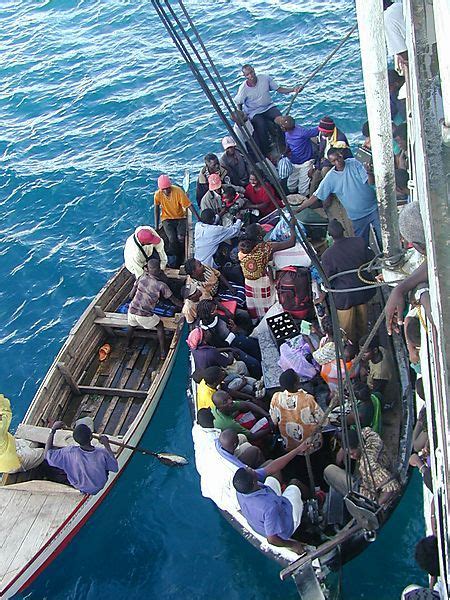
column 95, row 103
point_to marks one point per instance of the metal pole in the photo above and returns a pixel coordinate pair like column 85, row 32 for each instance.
column 441, row 10
column 374, row 66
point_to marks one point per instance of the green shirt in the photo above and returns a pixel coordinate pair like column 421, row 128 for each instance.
column 222, row 421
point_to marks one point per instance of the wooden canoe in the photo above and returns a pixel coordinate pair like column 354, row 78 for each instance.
column 40, row 516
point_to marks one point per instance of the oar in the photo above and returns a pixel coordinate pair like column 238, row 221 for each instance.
column 172, row 460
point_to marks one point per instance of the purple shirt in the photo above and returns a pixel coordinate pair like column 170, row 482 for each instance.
column 299, row 141
column 86, row 471
column 209, row 356
column 267, row 513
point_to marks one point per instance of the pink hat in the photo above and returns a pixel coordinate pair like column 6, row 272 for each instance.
column 164, row 182
column 147, row 236
column 228, row 142
column 214, row 181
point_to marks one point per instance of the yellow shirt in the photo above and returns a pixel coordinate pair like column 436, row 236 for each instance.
column 204, row 395
column 172, row 206
column 9, row 461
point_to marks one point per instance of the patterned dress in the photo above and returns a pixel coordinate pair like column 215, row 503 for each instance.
column 260, row 290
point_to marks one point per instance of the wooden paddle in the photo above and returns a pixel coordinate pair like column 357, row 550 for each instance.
column 172, row 460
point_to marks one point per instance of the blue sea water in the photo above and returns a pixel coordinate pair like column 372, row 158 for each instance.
column 95, row 102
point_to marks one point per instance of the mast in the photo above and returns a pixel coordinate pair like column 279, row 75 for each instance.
column 431, row 163
column 374, row 66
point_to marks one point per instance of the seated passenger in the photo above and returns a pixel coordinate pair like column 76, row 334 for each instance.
column 212, row 166
column 329, row 370
column 296, row 413
column 86, row 466
column 274, row 514
column 140, row 247
column 238, row 450
column 259, row 196
column 377, row 469
column 229, row 414
column 368, row 409
column 234, row 163
column 212, row 378
column 376, row 369
column 145, row 295
column 205, row 355
column 16, row 455
column 208, row 236
column 259, row 287
column 212, row 283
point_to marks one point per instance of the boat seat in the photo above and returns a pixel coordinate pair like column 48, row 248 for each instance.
column 41, row 486
column 120, row 321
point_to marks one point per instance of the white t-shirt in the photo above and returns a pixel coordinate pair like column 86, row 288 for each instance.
column 395, row 29
column 256, row 100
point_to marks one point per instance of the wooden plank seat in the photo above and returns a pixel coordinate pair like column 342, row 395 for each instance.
column 111, row 320
column 39, row 435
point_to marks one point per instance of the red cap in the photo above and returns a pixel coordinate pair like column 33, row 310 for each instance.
column 214, row 181
column 147, row 236
column 164, row 182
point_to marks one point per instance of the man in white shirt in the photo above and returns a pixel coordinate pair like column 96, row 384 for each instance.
column 208, row 236
column 395, row 30
column 139, row 248
column 253, row 97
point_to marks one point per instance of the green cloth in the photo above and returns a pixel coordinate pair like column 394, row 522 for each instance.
column 376, row 421
column 222, row 421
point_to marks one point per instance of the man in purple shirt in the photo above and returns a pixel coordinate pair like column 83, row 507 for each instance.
column 86, row 466
column 298, row 140
column 269, row 512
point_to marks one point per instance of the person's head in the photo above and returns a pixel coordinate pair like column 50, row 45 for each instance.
column 212, row 163
column 191, row 292
column 401, row 136
column 336, row 158
column 229, row 441
column 194, row 268
column 223, row 401
column 244, row 480
column 254, row 232
column 354, row 448
column 214, row 182
column 164, row 184
column 349, row 352
column 362, row 392
column 401, row 182
column 205, row 418
column 208, row 216
column 146, row 236
column 214, row 376
column 246, row 246
column 206, row 310
column 249, row 73
column 228, row 193
column 253, row 179
column 286, row 123
column 395, row 80
column 372, row 348
column 82, row 434
column 427, row 555
column 290, row 381
column 327, row 126
column 412, row 331
column 154, row 266
column 335, row 229
column 411, row 226
column 366, row 133
column 229, row 145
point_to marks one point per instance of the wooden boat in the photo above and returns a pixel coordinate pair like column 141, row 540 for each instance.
column 311, row 570
column 40, row 517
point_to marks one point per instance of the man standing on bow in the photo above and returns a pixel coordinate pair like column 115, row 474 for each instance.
column 253, row 97
column 173, row 202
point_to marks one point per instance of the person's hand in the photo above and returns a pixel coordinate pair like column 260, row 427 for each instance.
column 57, row 425
column 232, row 325
column 414, row 357
column 104, row 440
column 369, row 168
column 298, row 548
column 311, row 171
column 395, row 307
column 415, row 461
column 305, row 446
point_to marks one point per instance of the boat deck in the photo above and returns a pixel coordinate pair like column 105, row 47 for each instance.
column 30, row 513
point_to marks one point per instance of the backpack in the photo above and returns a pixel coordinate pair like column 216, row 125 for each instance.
column 294, row 291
